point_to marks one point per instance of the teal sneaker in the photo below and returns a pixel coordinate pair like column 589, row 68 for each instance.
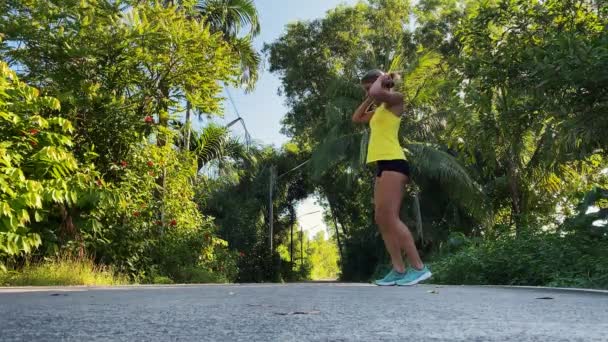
column 414, row 276
column 390, row 279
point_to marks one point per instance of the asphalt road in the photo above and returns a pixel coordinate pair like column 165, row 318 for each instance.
column 302, row 312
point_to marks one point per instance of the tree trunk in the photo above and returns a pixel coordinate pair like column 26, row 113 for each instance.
column 67, row 229
column 515, row 192
column 161, row 140
column 187, row 126
column 340, row 247
column 418, row 214
column 291, row 248
column 163, row 113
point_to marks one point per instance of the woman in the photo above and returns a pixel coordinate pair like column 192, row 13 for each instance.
column 391, row 177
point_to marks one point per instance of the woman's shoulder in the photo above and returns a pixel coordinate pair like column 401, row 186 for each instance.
column 397, row 110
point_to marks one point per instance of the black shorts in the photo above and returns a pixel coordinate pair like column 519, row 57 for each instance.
column 398, row 165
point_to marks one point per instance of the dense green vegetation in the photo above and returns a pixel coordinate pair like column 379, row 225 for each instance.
column 505, row 130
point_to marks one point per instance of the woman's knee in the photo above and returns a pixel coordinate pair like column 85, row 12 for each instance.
column 385, row 217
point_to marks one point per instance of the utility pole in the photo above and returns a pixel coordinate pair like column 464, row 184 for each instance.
column 270, row 205
column 302, row 246
column 291, row 248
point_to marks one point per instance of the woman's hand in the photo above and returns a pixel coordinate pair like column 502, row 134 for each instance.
column 381, row 92
column 391, row 80
column 387, row 81
column 362, row 114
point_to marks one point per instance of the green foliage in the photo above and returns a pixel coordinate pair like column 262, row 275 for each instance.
column 504, row 101
column 240, row 208
column 150, row 229
column 324, row 258
column 323, row 94
column 37, row 168
column 214, row 147
column 116, row 72
column 504, row 108
column 122, row 70
column 504, row 128
column 230, row 18
column 161, row 280
column 535, row 259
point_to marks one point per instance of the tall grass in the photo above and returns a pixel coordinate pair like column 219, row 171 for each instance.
column 62, row 272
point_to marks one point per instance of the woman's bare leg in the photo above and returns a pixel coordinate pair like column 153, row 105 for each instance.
column 388, row 195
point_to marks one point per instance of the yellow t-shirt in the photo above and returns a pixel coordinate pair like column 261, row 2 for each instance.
column 384, row 136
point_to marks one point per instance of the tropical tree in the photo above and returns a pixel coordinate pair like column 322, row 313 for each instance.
column 505, row 49
column 117, row 73
column 323, row 92
column 238, row 23
column 121, row 75
column 217, row 150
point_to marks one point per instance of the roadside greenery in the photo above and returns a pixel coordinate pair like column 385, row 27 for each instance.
column 103, row 172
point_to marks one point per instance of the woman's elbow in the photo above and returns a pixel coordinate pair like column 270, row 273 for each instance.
column 375, row 94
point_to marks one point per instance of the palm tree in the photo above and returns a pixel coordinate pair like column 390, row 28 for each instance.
column 214, row 146
column 231, row 18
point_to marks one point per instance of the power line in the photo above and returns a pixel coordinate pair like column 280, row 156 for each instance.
column 236, row 111
column 273, row 176
column 295, row 168
column 310, row 213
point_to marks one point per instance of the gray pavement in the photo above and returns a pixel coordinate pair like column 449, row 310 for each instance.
column 302, row 312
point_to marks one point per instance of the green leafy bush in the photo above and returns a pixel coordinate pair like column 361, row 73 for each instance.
column 536, row 259
column 150, row 225
column 38, row 172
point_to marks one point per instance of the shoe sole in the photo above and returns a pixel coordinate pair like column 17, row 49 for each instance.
column 424, row 277
column 393, row 283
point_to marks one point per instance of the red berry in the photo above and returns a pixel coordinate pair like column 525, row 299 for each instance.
column 99, row 183
column 173, row 223
column 123, row 163
column 148, row 119
column 150, row 163
column 34, row 131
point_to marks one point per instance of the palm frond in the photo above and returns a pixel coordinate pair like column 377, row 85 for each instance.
column 398, row 63
column 421, row 76
column 430, row 163
column 334, row 150
column 238, row 152
column 250, row 61
column 230, row 16
column 341, row 87
column 209, row 144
